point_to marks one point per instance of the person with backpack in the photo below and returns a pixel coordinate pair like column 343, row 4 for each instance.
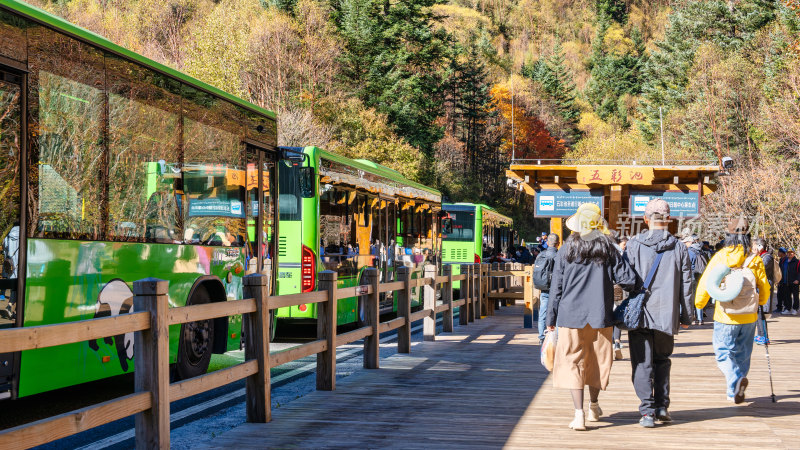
column 585, row 269
column 736, row 312
column 542, row 275
column 658, row 256
column 699, row 261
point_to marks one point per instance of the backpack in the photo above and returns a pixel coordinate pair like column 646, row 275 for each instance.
column 746, row 301
column 543, row 271
column 700, row 263
column 777, row 275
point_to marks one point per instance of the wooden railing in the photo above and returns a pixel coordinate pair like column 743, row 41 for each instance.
column 482, row 290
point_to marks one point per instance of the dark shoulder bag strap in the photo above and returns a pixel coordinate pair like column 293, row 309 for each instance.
column 652, row 272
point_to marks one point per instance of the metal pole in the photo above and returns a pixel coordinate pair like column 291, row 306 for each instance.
column 513, row 141
column 661, row 120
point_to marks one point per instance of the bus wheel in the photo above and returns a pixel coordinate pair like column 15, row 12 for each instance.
column 196, row 342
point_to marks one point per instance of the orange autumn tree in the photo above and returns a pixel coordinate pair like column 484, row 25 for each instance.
column 531, row 137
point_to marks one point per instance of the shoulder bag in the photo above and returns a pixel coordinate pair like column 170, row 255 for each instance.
column 628, row 315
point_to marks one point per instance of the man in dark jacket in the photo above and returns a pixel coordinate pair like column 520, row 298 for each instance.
column 670, row 302
column 788, row 298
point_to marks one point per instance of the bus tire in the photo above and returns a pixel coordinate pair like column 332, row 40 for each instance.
column 196, row 341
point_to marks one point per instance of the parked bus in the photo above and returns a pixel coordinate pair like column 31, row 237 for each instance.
column 115, row 168
column 351, row 215
column 473, row 233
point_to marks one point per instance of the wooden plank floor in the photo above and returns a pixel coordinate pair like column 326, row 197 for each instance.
column 483, row 387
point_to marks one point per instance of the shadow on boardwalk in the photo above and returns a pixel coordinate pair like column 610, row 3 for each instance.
column 483, row 387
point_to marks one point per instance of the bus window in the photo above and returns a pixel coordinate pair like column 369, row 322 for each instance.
column 10, row 140
column 289, row 198
column 462, row 227
column 12, row 37
column 337, row 246
column 68, row 100
column 143, row 168
column 213, row 172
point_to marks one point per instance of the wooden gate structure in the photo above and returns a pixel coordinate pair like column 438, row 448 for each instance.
column 620, row 189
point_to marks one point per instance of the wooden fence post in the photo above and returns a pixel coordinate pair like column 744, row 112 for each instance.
column 485, row 293
column 256, row 327
column 447, row 299
column 429, row 302
column 326, row 329
column 404, row 310
column 151, row 363
column 463, row 310
column 506, row 281
column 495, row 286
column 481, row 310
column 372, row 346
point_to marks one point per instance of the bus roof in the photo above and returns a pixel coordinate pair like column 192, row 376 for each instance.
column 375, row 169
column 61, row 25
column 471, row 206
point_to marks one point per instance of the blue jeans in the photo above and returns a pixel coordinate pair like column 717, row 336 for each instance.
column 544, row 298
column 733, row 345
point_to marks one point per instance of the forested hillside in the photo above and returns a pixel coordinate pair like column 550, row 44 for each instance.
column 446, row 91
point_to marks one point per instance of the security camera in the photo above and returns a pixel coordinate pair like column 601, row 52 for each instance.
column 727, row 163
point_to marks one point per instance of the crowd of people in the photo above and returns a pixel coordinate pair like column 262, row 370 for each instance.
column 582, row 282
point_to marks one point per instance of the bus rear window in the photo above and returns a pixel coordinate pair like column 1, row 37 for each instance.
column 289, row 190
column 459, row 226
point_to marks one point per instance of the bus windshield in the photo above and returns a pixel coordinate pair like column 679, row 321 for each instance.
column 459, row 226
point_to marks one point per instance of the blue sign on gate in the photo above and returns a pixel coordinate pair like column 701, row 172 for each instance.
column 685, row 204
column 564, row 203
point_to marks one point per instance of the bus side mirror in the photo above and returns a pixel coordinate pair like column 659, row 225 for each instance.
column 307, row 182
column 447, row 226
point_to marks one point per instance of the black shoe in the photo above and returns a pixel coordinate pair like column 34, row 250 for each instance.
column 662, row 415
column 647, row 421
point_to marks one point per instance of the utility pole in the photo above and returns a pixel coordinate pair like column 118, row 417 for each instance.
column 661, row 119
column 513, row 140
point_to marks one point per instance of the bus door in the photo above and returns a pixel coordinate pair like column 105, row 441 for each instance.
column 12, row 254
column 262, row 203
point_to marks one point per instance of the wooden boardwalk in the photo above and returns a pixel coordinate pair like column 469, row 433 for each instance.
column 483, row 387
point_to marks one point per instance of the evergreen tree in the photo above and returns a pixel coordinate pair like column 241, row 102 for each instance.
column 557, row 82
column 615, row 10
column 614, row 75
column 393, row 58
column 666, row 73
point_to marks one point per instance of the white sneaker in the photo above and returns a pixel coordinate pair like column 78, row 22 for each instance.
column 793, row 312
column 594, row 412
column 579, row 422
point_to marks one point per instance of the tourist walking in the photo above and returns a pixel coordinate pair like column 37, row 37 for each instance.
column 699, row 261
column 668, row 306
column 542, row 276
column 788, row 292
column 760, row 249
column 581, row 304
column 735, row 319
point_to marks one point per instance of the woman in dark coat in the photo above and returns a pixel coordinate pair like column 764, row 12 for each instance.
column 586, row 269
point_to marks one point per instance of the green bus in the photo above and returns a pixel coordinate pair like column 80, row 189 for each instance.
column 346, row 215
column 115, row 168
column 473, row 233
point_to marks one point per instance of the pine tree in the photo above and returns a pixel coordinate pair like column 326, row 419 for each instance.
column 615, row 10
column 556, row 80
column 666, row 73
column 393, row 61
